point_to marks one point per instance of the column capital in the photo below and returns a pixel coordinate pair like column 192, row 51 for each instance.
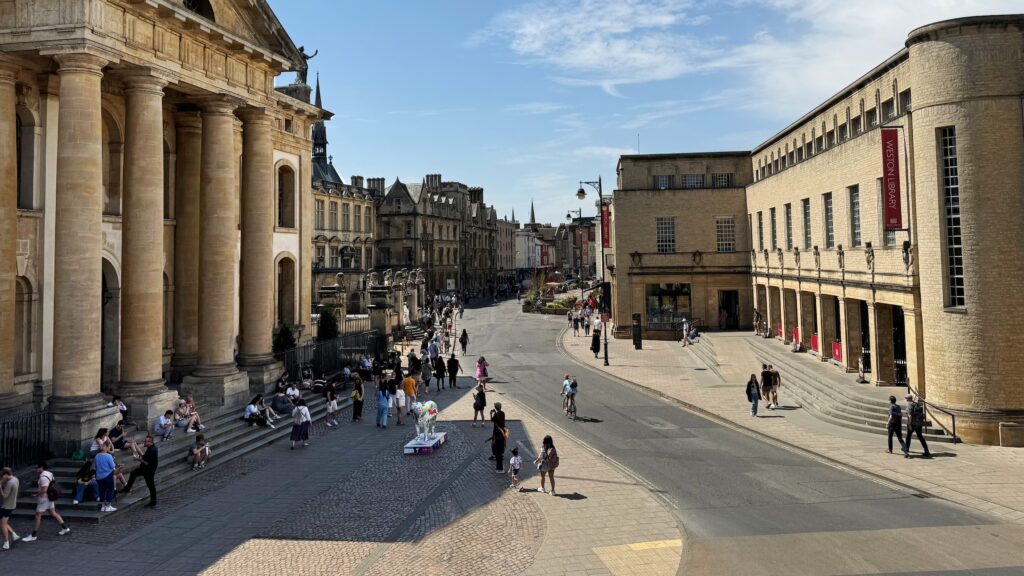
column 189, row 120
column 81, row 62
column 218, row 105
column 143, row 81
column 253, row 115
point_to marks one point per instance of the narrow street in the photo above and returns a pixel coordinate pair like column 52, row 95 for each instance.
column 746, row 505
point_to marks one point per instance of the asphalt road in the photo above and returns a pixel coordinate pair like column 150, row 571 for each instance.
column 746, row 505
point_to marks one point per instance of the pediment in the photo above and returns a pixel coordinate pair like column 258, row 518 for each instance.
column 251, row 20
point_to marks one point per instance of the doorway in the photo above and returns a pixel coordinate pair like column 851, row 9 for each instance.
column 729, row 309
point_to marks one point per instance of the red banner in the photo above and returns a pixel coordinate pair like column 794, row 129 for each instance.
column 891, row 180
column 837, row 351
column 605, row 224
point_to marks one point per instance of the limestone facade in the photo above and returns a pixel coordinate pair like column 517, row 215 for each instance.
column 924, row 305
column 141, row 146
column 680, row 248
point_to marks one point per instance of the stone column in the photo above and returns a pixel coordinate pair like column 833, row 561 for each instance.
column 186, row 244
column 142, row 250
column 257, row 279
column 914, row 334
column 883, row 367
column 77, row 407
column 826, row 325
column 216, row 379
column 8, row 230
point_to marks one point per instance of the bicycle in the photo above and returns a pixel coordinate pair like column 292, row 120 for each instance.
column 570, row 409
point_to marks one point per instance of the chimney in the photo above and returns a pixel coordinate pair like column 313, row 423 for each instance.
column 357, row 181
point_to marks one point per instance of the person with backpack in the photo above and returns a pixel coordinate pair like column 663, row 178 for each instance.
column 753, row 394
column 547, row 462
column 49, row 493
column 915, row 424
column 894, row 425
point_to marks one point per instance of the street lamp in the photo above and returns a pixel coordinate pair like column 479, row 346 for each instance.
column 581, row 195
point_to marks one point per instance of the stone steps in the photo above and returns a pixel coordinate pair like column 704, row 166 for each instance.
column 229, row 436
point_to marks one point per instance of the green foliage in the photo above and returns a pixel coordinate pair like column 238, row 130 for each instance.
column 327, row 328
column 284, row 339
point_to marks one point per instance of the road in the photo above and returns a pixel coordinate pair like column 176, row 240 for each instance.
column 747, row 505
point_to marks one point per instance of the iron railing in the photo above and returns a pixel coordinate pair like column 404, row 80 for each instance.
column 928, row 409
column 24, row 439
column 327, row 357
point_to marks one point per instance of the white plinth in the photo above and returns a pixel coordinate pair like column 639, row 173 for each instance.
column 425, row 444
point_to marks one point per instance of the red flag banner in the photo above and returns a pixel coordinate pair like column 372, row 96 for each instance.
column 605, row 223
column 891, row 180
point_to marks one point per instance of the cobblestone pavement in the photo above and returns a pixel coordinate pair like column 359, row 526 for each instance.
column 989, row 479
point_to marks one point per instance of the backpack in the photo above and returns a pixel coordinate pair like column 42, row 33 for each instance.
column 916, row 415
column 52, row 489
column 553, row 459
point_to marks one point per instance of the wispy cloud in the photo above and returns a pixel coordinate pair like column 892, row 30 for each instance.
column 606, row 43
column 428, row 112
column 536, row 108
column 645, row 114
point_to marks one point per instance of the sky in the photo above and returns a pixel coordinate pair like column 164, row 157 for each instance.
column 526, row 99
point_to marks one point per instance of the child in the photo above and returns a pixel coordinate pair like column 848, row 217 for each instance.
column 200, row 454
column 514, row 464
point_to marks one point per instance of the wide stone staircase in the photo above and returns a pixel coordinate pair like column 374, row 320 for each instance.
column 230, row 437
column 829, row 395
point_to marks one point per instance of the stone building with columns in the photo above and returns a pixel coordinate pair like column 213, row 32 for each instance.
column 925, row 302
column 154, row 193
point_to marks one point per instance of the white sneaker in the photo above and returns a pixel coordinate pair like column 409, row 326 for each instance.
column 74, row 502
column 109, row 509
column 271, row 425
column 14, row 536
column 202, row 427
column 29, row 538
column 64, row 531
column 7, row 546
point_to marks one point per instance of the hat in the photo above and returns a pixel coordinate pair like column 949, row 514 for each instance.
column 497, row 405
column 908, row 397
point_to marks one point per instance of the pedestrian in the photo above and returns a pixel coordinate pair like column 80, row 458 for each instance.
column 148, row 462
column 569, row 316
column 595, row 341
column 427, row 373
column 9, row 488
column 547, row 462
column 915, row 424
column 357, row 398
column 776, row 383
column 481, row 370
column 383, row 399
column 894, row 425
column 753, row 393
column 440, row 372
column 499, row 434
column 200, row 454
column 766, row 385
column 479, row 403
column 331, row 399
column 301, row 421
column 409, row 388
column 394, row 386
column 586, row 322
column 464, row 341
column 454, row 367
column 46, row 503
column 515, row 463
column 105, row 465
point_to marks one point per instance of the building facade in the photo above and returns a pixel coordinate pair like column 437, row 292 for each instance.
column 909, row 278
column 151, row 175
column 506, row 237
column 680, row 247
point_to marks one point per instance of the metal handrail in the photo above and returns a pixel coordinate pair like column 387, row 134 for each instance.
column 928, row 407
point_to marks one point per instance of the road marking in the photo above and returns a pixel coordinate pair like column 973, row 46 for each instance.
column 656, row 544
column 526, row 449
column 656, row 423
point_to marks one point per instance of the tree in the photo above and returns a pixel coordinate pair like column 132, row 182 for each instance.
column 284, row 339
column 327, row 328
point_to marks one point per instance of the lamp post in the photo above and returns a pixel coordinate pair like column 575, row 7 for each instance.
column 581, row 194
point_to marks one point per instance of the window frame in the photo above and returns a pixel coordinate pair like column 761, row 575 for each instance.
column 788, row 215
column 725, row 233
column 665, row 234
column 856, row 228
column 952, row 224
column 805, row 208
column 829, row 221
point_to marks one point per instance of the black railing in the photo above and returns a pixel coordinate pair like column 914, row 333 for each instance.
column 327, row 357
column 24, row 439
column 928, row 408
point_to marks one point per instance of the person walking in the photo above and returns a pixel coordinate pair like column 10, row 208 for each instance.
column 426, row 373
column 148, row 462
column 894, row 425
column 479, row 403
column 397, row 401
column 409, row 388
column 915, row 424
column 301, row 421
column 105, row 465
column 595, row 341
column 569, row 316
column 464, row 341
column 753, row 394
column 499, row 434
column 440, row 372
column 575, row 324
column 9, row 488
column 766, row 385
column 585, row 320
column 383, row 399
column 357, row 398
column 547, row 462
column 454, row 367
column 46, row 503
column 776, row 384
column 481, row 371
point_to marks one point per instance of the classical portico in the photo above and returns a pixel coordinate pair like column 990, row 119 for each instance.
column 138, row 171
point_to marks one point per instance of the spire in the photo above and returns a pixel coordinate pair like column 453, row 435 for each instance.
column 319, row 102
column 533, row 217
column 513, row 214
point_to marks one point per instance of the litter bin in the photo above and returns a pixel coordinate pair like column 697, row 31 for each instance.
column 638, row 339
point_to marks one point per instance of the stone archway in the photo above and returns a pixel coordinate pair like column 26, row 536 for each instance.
column 286, row 291
column 110, row 350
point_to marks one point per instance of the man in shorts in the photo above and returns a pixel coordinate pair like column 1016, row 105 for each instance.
column 9, row 486
column 44, row 505
column 409, row 388
column 776, row 382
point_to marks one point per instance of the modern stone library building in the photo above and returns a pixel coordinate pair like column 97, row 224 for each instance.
column 154, row 203
column 929, row 303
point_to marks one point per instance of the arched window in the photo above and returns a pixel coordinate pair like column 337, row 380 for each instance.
column 201, row 7
column 285, row 197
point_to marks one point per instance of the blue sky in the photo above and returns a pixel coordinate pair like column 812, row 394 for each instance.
column 527, row 98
